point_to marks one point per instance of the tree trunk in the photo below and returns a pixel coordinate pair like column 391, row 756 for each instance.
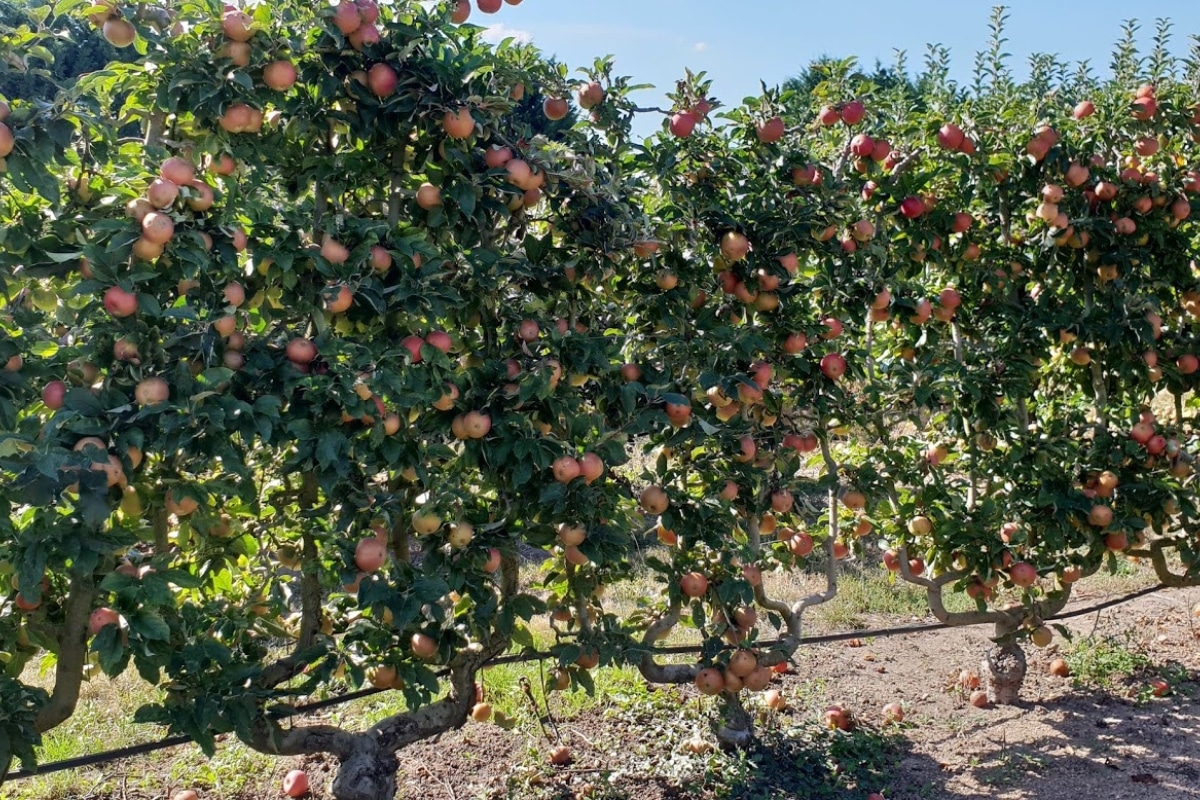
column 737, row 726
column 368, row 774
column 1003, row 669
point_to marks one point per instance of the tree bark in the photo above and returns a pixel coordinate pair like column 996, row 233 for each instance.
column 72, row 654
column 1003, row 669
column 369, row 774
column 736, row 731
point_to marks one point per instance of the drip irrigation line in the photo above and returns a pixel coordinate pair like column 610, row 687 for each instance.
column 521, row 658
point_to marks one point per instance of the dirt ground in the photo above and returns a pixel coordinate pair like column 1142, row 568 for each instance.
column 1065, row 741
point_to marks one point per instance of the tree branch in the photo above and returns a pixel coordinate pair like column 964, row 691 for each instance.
column 71, row 655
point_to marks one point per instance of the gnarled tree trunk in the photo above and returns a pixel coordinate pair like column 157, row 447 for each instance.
column 736, row 728
column 369, row 774
column 1003, row 668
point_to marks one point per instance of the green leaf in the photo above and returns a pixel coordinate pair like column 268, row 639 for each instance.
column 149, row 625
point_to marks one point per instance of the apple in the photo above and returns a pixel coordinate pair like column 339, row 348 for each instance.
column 1059, row 668
column 458, row 123
column 833, row 366
column 912, row 207
column 893, row 712
column 734, row 246
column 382, row 80
column 770, row 131
column 560, row 755
column 852, row 112
column 565, row 468
column 369, row 554
column 280, row 75
column 555, row 108
column 591, row 467
column 591, row 96
column 709, row 681
column 301, row 351
column 53, row 394
column 101, row 618
column 681, row 124
column 151, row 391
column 1023, row 574
column 423, row 646
column 476, row 424
column 862, row 146
column 295, row 783
column 429, row 196
column 693, row 584
column 120, row 303
column 800, row 544
column 950, row 136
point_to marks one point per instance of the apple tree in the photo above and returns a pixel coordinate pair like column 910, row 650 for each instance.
column 310, row 360
column 976, row 313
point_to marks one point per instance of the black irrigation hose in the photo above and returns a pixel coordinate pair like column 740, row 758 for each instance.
column 520, row 658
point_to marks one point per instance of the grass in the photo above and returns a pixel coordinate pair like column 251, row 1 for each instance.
column 1102, row 661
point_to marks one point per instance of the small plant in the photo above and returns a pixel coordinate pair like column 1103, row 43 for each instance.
column 1101, row 661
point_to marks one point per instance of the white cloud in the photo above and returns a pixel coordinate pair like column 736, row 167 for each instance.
column 498, row 33
column 700, row 47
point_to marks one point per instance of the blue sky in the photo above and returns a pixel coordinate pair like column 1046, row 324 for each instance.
column 739, row 42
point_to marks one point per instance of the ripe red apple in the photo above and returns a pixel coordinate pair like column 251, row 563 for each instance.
column 770, row 131
column 734, row 246
column 682, row 123
column 591, row 467
column 1100, row 516
column 1084, row 109
column 489, row 6
column 862, row 145
column 462, row 10
column 382, row 80
column 1023, row 574
column 694, row 584
column 120, row 303
column 833, row 366
column 295, row 783
column 912, row 207
column 654, row 500
column 591, row 96
column 476, row 424
column 852, row 112
column 301, row 351
column 423, row 646
column 555, row 108
column 439, row 340
column 280, row 75
column 157, row 228
column 53, row 394
column 369, row 554
column 119, row 32
column 950, row 136
column 828, row 115
column 429, row 196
